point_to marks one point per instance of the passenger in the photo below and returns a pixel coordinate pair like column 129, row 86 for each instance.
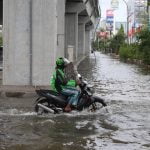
column 60, row 83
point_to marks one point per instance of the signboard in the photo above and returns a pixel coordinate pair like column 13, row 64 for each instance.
column 102, row 34
column 109, row 12
column 114, row 4
column 109, row 16
column 109, row 19
column 109, row 27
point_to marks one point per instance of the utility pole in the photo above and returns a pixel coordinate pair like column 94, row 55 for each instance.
column 127, row 20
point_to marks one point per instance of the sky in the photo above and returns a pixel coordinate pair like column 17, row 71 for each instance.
column 120, row 14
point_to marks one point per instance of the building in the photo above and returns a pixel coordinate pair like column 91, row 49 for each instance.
column 137, row 13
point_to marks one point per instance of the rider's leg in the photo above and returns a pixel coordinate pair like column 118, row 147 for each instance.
column 73, row 97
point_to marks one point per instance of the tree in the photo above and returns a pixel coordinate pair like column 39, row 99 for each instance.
column 118, row 40
column 144, row 46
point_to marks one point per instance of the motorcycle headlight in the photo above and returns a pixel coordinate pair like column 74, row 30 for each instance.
column 89, row 93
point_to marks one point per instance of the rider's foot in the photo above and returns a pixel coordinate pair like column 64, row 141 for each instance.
column 67, row 108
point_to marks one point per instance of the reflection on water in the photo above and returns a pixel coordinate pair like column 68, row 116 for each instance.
column 125, row 125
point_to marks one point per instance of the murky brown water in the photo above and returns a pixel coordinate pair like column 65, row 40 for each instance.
column 126, row 125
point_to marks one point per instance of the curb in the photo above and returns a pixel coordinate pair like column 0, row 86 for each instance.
column 19, row 91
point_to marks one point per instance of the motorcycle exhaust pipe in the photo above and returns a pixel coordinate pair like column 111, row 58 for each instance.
column 46, row 108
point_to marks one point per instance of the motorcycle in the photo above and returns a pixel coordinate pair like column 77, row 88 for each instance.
column 52, row 102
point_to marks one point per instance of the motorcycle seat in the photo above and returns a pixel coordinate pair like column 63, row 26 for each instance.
column 47, row 93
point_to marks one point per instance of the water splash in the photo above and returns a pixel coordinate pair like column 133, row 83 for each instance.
column 15, row 112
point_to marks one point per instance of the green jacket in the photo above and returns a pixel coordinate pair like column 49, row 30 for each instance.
column 59, row 81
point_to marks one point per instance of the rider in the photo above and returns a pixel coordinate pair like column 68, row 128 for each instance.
column 60, row 84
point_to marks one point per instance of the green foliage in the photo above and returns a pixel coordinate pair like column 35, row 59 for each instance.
column 95, row 45
column 117, row 40
column 121, row 31
column 129, row 51
column 101, row 44
column 140, row 50
column 144, row 37
column 146, row 55
column 144, row 46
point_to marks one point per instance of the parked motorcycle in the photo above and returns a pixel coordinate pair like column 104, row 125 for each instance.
column 52, row 102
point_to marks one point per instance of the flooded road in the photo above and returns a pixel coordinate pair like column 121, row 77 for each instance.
column 125, row 125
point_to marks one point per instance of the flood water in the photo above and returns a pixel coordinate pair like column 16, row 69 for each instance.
column 124, row 125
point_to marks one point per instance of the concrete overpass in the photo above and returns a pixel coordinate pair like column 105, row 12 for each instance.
column 37, row 32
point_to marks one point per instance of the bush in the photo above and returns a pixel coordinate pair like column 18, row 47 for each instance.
column 129, row 51
column 140, row 50
column 146, row 55
column 123, row 52
column 144, row 46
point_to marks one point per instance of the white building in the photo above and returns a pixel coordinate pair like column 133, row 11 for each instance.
column 137, row 16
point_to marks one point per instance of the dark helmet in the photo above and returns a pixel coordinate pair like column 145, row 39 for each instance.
column 62, row 62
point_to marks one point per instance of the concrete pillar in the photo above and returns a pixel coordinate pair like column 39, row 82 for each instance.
column 82, row 20
column 30, row 41
column 71, row 33
column 60, row 28
column 16, row 42
column 87, row 42
column 70, row 53
column 44, row 40
column 81, row 40
column 1, row 12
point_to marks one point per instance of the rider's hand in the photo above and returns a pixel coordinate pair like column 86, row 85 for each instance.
column 78, row 82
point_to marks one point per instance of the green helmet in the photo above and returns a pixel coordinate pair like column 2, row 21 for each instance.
column 62, row 62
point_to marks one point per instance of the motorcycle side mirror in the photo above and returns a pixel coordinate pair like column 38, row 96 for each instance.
column 85, row 82
column 79, row 76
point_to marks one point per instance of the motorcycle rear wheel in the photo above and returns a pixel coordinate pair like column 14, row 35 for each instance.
column 38, row 109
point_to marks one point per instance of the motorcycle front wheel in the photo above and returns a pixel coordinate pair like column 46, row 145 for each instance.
column 97, row 103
